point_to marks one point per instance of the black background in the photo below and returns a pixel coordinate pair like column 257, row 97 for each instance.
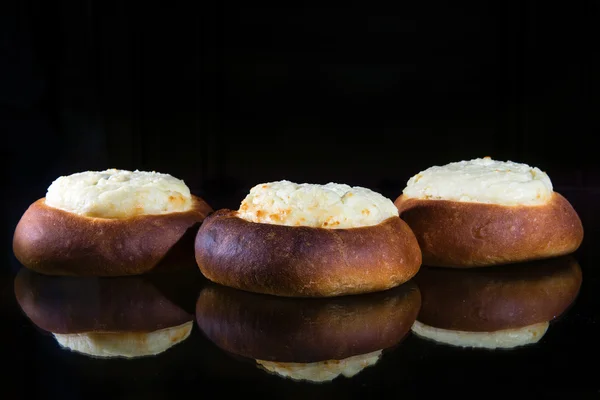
column 226, row 96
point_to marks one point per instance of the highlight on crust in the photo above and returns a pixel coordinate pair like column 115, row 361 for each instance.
column 127, row 317
column 315, row 340
column 495, row 308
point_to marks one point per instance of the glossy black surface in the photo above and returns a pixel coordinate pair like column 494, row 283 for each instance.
column 562, row 362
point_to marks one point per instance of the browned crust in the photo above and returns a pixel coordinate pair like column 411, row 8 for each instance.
column 305, row 261
column 57, row 242
column 458, row 234
column 501, row 297
column 306, row 330
column 60, row 304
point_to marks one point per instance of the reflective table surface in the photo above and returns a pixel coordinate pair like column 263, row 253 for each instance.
column 177, row 334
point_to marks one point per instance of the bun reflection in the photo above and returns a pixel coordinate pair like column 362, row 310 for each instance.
column 308, row 339
column 499, row 307
column 104, row 317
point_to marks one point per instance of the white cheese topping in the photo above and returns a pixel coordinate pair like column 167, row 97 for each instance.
column 119, row 194
column 482, row 180
column 125, row 344
column 324, row 206
column 504, row 339
column 324, row 370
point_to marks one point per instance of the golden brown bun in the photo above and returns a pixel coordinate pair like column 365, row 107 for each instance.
column 57, row 242
column 67, row 305
column 306, row 330
column 501, row 297
column 462, row 235
column 301, row 261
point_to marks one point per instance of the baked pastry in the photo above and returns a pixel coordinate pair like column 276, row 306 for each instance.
column 495, row 307
column 485, row 212
column 310, row 339
column 124, row 317
column 108, row 223
column 308, row 240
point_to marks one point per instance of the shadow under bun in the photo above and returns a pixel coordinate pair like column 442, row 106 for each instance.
column 56, row 242
column 296, row 330
column 498, row 298
column 464, row 234
column 301, row 261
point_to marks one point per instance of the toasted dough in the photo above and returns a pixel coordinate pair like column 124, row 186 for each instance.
column 300, row 261
column 57, row 242
column 465, row 234
column 272, row 328
column 498, row 298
